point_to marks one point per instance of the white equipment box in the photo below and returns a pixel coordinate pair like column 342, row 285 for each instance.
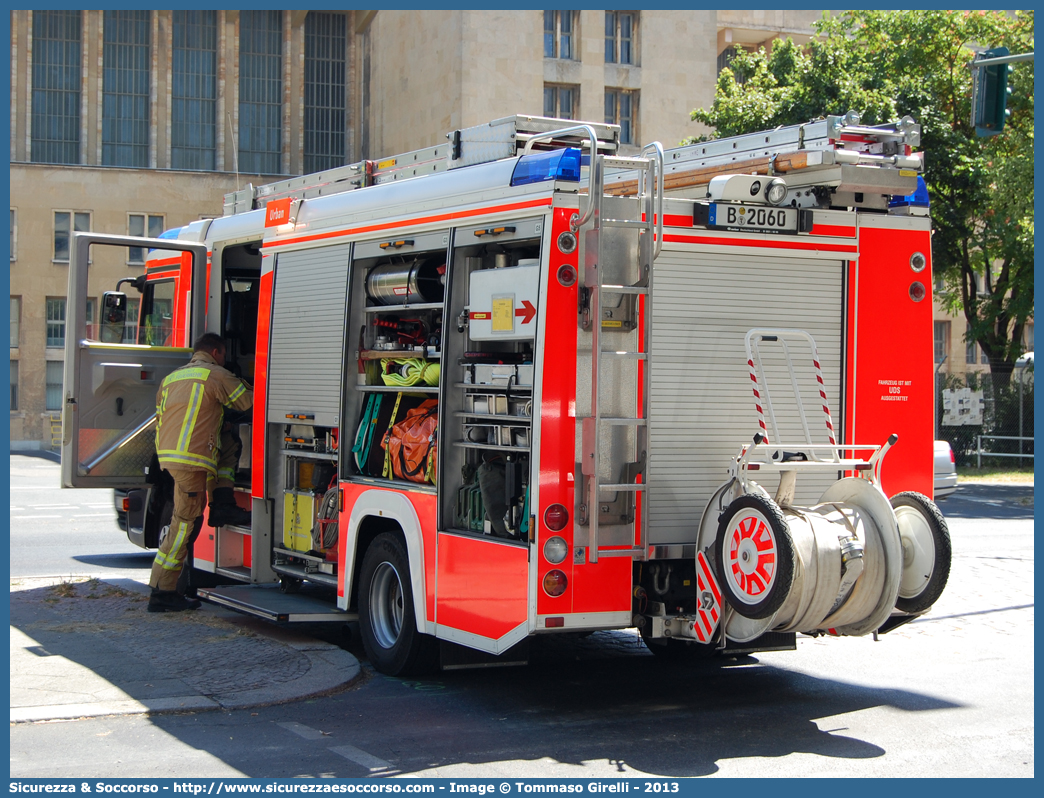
column 504, row 302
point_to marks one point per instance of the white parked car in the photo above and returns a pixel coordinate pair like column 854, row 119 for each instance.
column 945, row 470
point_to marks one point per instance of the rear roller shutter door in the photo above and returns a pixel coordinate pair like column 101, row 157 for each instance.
column 702, row 404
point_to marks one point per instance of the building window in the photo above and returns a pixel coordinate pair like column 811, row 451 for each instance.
column 984, row 359
column 136, row 226
column 55, row 322
column 55, row 377
column 56, row 87
column 125, row 97
column 725, row 59
column 260, row 91
column 325, row 90
column 1029, row 336
column 621, row 109
column 14, row 384
column 561, row 102
column 130, row 325
column 942, row 340
column 81, row 223
column 559, row 34
column 970, row 352
column 13, row 232
column 193, row 95
column 619, row 37
column 16, row 321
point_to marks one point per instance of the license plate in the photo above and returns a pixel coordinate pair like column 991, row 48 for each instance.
column 753, row 218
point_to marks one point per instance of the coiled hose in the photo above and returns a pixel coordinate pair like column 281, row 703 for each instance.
column 324, row 530
column 409, row 371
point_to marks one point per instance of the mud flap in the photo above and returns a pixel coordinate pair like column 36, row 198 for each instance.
column 708, row 596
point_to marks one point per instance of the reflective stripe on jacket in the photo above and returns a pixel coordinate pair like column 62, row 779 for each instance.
column 190, row 408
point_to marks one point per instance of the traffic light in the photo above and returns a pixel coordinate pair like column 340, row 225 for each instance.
column 990, row 94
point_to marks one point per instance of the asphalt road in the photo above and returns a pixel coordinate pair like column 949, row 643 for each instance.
column 948, row 695
column 57, row 532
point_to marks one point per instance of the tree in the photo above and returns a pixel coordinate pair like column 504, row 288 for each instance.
column 886, row 64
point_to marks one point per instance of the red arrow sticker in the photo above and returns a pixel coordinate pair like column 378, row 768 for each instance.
column 527, row 311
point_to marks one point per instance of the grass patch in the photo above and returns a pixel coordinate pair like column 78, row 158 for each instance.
column 63, row 590
column 997, row 475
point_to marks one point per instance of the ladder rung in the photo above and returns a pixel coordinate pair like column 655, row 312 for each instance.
column 635, row 355
column 623, row 422
column 636, row 224
column 640, row 290
column 621, row 162
column 619, row 486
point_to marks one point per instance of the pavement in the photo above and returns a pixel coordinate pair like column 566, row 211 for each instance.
column 87, row 648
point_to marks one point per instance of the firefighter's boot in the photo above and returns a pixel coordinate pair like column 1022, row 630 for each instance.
column 225, row 512
column 171, row 601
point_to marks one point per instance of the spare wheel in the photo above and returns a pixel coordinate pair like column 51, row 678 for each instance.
column 755, row 556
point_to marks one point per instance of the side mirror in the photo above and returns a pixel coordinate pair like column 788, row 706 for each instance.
column 113, row 316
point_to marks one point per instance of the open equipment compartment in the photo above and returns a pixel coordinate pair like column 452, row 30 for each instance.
column 396, row 307
column 495, row 280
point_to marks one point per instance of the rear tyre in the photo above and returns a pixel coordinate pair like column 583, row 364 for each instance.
column 926, row 551
column 754, row 556
column 387, row 623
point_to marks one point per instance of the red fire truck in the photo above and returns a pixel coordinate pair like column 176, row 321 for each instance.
column 519, row 384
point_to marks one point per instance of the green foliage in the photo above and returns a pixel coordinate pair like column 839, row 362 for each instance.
column 886, row 64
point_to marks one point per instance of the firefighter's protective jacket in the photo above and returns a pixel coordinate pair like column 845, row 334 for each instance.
column 190, row 409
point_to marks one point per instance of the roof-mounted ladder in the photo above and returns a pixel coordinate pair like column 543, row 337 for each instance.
column 501, row 138
column 812, row 147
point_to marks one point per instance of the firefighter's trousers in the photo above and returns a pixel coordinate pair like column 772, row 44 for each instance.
column 190, row 497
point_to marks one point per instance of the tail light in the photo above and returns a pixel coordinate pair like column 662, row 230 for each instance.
column 556, row 517
column 952, row 458
column 555, row 583
column 126, row 504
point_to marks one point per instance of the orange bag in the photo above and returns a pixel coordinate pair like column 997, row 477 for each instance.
column 411, row 445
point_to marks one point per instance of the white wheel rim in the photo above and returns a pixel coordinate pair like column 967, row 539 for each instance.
column 918, row 551
column 750, row 556
column 386, row 605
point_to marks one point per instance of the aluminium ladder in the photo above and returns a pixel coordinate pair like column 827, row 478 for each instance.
column 501, row 138
column 792, row 149
column 650, row 240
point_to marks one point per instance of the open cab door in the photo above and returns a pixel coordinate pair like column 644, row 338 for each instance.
column 109, row 412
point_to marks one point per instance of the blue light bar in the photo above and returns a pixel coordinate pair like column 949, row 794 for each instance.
column 172, row 234
column 540, row 166
column 919, row 199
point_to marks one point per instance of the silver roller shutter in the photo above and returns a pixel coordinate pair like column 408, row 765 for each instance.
column 702, row 403
column 304, row 373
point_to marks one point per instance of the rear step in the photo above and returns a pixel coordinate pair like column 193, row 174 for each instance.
column 264, row 601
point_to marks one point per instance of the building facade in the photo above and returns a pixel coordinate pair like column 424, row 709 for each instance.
column 132, row 122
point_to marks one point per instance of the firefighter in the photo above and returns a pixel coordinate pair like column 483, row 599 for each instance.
column 196, row 448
